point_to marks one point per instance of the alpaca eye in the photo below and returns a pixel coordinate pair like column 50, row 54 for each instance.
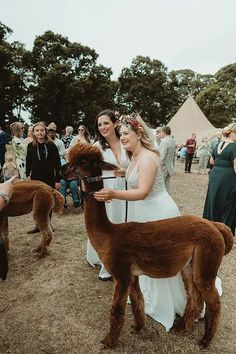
column 84, row 163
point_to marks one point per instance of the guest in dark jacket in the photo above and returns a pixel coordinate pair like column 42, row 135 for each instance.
column 43, row 160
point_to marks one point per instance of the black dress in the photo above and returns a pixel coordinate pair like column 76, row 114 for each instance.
column 220, row 204
column 43, row 163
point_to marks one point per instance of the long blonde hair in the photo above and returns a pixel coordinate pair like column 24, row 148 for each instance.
column 46, row 139
column 228, row 129
column 16, row 129
column 136, row 123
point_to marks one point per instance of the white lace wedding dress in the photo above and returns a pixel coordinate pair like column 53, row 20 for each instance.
column 164, row 298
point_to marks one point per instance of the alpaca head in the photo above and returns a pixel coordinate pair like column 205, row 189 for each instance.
column 88, row 160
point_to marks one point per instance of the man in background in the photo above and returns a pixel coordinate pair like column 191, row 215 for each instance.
column 167, row 151
column 191, row 145
column 158, row 136
column 52, row 133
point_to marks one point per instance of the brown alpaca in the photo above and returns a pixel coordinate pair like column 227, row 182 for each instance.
column 33, row 196
column 158, row 249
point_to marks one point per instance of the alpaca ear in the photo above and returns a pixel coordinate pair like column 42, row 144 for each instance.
column 107, row 166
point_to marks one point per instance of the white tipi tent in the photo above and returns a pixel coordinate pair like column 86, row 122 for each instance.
column 190, row 119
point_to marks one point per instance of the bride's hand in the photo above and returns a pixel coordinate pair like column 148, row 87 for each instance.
column 104, row 195
column 119, row 172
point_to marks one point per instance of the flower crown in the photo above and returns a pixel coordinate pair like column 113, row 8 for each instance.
column 133, row 122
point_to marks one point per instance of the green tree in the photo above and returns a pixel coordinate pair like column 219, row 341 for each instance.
column 145, row 87
column 218, row 100
column 68, row 87
column 187, row 82
column 98, row 93
column 14, row 77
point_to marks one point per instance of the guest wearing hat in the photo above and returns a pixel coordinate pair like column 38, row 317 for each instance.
column 52, row 133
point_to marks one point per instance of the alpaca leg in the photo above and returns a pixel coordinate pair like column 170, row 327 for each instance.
column 205, row 267
column 212, row 315
column 137, row 303
column 117, row 316
column 41, row 215
column 46, row 237
column 194, row 303
column 42, row 211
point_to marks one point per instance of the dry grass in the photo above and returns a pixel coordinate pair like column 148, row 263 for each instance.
column 58, row 305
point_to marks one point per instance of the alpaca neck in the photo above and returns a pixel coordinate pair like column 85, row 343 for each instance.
column 96, row 219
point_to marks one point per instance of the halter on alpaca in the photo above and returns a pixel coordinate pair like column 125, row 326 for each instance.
column 158, row 249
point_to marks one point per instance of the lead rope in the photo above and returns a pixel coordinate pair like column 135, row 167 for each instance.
column 111, row 177
column 126, row 204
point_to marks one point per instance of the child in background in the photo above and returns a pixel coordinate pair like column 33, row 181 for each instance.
column 9, row 168
column 69, row 180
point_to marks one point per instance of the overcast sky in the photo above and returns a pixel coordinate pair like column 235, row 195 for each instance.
column 194, row 34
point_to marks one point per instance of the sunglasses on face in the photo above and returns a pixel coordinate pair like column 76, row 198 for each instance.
column 81, row 130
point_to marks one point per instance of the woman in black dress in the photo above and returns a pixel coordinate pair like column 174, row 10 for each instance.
column 42, row 160
column 220, row 204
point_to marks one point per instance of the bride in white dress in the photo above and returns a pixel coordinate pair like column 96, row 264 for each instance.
column 148, row 201
column 114, row 153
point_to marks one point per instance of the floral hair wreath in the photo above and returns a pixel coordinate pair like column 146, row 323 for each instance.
column 133, row 122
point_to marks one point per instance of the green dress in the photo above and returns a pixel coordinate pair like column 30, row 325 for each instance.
column 220, row 204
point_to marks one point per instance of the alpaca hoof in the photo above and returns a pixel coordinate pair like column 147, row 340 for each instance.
column 37, row 250
column 107, row 342
column 204, row 343
column 40, row 253
column 178, row 326
column 137, row 328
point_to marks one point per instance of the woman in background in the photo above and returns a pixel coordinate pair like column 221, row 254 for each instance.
column 108, row 141
column 203, row 153
column 220, row 204
column 43, row 160
column 82, row 137
column 67, row 138
column 20, row 148
column 30, row 134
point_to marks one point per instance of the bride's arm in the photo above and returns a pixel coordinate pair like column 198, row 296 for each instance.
column 146, row 174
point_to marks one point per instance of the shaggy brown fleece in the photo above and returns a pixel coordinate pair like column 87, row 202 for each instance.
column 159, row 249
column 39, row 198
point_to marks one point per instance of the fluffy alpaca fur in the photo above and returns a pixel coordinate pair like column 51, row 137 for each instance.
column 159, row 249
column 33, row 196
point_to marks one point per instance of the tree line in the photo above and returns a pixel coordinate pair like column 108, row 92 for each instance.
column 61, row 81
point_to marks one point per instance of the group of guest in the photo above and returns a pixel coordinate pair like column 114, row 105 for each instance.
column 23, row 159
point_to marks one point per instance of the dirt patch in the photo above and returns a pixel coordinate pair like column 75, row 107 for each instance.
column 58, row 305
